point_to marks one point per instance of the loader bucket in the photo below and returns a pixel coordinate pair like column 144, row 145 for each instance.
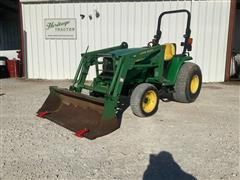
column 78, row 113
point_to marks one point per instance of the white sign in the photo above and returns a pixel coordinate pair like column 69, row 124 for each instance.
column 64, row 28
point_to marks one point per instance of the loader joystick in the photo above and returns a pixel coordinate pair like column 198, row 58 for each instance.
column 124, row 45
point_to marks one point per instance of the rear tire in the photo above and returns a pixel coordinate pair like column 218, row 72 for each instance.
column 188, row 83
column 144, row 100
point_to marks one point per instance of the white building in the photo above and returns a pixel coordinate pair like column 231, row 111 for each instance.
column 49, row 54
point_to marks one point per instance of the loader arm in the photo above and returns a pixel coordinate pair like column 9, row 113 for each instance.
column 87, row 60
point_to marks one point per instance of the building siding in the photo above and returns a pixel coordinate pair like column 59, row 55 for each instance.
column 133, row 22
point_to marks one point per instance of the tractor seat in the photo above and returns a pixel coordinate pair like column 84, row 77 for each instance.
column 169, row 51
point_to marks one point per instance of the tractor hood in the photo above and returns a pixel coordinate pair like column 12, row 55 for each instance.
column 143, row 51
column 124, row 52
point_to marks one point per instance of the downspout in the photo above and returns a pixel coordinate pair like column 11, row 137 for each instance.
column 232, row 16
column 23, row 60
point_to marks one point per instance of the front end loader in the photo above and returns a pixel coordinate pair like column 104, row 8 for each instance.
column 143, row 74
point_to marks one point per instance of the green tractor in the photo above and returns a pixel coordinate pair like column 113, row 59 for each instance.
column 144, row 74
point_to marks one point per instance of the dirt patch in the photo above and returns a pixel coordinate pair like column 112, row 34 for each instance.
column 199, row 140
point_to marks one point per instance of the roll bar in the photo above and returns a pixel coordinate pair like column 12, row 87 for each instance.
column 187, row 34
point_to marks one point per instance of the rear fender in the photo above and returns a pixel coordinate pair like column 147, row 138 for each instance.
column 175, row 66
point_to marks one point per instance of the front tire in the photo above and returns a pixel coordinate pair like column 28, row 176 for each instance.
column 188, row 84
column 144, row 100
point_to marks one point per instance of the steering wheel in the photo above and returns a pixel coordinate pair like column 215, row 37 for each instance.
column 150, row 44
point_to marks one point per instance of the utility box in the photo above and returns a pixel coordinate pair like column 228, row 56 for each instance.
column 13, row 67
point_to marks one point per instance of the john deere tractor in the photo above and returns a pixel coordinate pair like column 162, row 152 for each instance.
column 143, row 74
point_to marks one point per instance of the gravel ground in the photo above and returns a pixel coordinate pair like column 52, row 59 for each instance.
column 181, row 141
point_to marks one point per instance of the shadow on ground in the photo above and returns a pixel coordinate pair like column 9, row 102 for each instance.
column 163, row 167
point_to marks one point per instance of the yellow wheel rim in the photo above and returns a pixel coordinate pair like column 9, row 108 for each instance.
column 194, row 84
column 149, row 101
